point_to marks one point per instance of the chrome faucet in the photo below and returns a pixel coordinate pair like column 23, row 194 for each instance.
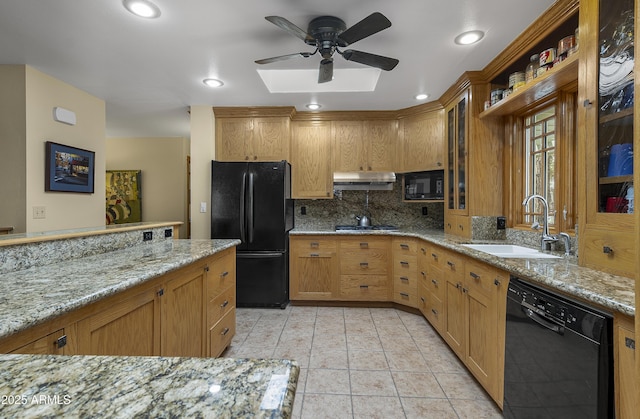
column 567, row 243
column 547, row 239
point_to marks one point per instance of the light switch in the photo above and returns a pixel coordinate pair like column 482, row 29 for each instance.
column 203, row 207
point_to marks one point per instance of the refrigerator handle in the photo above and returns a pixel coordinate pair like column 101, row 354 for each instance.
column 250, row 209
column 243, row 189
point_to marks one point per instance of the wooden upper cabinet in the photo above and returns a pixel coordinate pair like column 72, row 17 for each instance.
column 361, row 146
column 311, row 163
column 423, row 142
column 252, row 138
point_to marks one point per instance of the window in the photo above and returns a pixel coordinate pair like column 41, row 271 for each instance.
column 542, row 160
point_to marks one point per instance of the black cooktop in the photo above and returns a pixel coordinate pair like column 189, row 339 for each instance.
column 358, row 228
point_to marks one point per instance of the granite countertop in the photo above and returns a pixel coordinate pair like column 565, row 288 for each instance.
column 615, row 293
column 126, row 387
column 32, row 296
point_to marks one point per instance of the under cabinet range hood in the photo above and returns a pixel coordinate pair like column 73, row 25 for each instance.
column 364, row 181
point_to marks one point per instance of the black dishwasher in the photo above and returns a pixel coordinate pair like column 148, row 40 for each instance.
column 558, row 356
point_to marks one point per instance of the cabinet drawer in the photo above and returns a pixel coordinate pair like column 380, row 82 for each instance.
column 221, row 275
column 459, row 225
column 221, row 334
column 452, row 264
column 405, row 265
column 368, row 261
column 436, row 284
column 435, row 312
column 405, row 283
column 221, row 305
column 405, row 247
column 363, row 243
column 364, row 287
column 611, row 251
column 313, row 244
column 480, row 277
column 436, row 256
column 406, row 298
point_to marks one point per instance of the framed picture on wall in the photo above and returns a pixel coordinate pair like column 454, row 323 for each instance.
column 68, row 169
column 123, row 197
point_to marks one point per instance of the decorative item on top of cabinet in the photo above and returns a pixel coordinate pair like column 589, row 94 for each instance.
column 606, row 113
column 252, row 134
column 311, row 161
column 364, row 145
column 422, row 140
column 405, row 271
column 313, row 268
column 364, row 268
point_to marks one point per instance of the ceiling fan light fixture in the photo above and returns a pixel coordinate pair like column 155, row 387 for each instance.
column 421, row 96
column 468, row 38
column 142, row 8
column 213, row 82
column 313, row 106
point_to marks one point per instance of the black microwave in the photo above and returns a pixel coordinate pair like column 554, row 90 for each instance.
column 423, row 186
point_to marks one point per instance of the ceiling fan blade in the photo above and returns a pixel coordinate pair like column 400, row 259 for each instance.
column 373, row 60
column 371, row 24
column 289, row 27
column 326, row 70
column 284, row 57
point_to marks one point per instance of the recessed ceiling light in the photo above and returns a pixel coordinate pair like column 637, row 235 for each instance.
column 470, row 37
column 213, row 82
column 422, row 96
column 142, row 8
column 313, row 106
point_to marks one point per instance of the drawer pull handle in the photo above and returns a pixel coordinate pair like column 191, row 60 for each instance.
column 451, row 264
column 458, row 285
column 434, row 282
column 314, row 245
column 608, row 250
column 314, row 255
column 423, row 273
column 364, row 245
column 404, row 263
column 225, row 331
column 223, row 305
column 404, row 294
column 630, row 343
column 496, row 282
column 423, row 250
column 404, row 246
column 364, row 264
column 364, row 286
column 474, row 275
column 433, row 255
column 434, row 311
column 404, row 278
column 465, row 290
column 223, row 274
column 422, row 299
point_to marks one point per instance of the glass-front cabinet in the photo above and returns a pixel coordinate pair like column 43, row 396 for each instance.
column 457, row 156
column 615, row 106
column 606, row 135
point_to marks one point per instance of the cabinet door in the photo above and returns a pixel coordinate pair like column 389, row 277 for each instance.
column 270, row 140
column 183, row 314
column 311, row 162
column 457, row 164
column 233, row 136
column 381, row 137
column 47, row 345
column 350, row 151
column 313, row 276
column 625, row 367
column 481, row 339
column 423, row 142
column 130, row 327
column 455, row 298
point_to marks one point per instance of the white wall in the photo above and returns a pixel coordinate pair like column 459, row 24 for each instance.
column 163, row 162
column 202, row 153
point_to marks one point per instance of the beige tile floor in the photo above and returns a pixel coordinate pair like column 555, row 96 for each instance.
column 363, row 363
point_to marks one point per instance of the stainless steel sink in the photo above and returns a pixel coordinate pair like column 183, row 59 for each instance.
column 365, row 228
column 511, row 251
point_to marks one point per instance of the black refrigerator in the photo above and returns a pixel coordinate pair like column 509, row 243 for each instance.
column 252, row 202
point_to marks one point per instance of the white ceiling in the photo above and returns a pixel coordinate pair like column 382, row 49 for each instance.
column 150, row 71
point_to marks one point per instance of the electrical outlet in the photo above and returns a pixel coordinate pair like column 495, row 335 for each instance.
column 39, row 213
column 502, row 223
column 424, row 210
column 303, row 210
column 147, row 235
column 168, row 232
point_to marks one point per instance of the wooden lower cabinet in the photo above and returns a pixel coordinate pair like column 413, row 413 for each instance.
column 405, row 272
column 313, row 273
column 171, row 315
column 364, row 268
column 624, row 361
column 128, row 327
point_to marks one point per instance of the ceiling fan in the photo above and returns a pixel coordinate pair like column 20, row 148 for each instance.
column 328, row 34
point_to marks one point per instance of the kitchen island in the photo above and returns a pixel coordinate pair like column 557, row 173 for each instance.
column 152, row 299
